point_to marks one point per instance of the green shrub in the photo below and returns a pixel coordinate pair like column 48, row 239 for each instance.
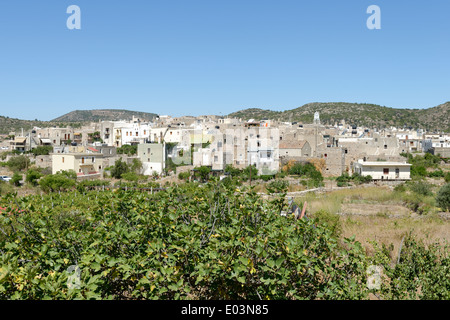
column 443, row 197
column 60, row 181
column 127, row 149
column 18, row 163
column 436, row 174
column 331, row 221
column 203, row 172
column 421, row 188
column 342, row 184
column 91, row 184
column 5, row 187
column 266, row 177
column 42, row 150
column 184, row 175
column 447, row 177
column 418, row 171
column 32, row 177
column 400, row 188
column 130, row 176
column 277, row 186
column 15, row 179
column 119, row 169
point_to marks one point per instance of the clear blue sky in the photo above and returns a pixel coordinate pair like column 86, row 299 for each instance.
column 194, row 57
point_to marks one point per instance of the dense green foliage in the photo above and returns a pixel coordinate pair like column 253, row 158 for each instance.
column 421, row 188
column 42, row 150
column 422, row 271
column 120, row 168
column 33, row 176
column 16, row 178
column 345, row 179
column 420, row 164
column 203, row 172
column 184, row 175
column 447, row 177
column 443, row 197
column 60, row 181
column 192, row 241
column 127, row 149
column 362, row 114
column 18, row 163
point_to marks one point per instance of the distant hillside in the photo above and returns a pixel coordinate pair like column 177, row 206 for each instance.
column 8, row 125
column 370, row 115
column 104, row 115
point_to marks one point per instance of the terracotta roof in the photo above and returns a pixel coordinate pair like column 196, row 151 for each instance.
column 93, row 149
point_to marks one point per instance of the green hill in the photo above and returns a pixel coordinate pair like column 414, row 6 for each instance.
column 104, row 115
column 370, row 115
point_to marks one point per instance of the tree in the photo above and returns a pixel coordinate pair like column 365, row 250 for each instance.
column 119, row 169
column 204, row 172
column 443, row 197
column 57, row 182
column 32, row 176
column 42, row 150
column 127, row 149
column 18, row 163
column 15, row 180
column 136, row 166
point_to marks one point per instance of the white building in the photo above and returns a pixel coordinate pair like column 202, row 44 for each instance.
column 383, row 170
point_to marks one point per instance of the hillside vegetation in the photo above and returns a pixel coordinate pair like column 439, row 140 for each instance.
column 370, row 115
column 8, row 125
column 104, row 115
column 73, row 119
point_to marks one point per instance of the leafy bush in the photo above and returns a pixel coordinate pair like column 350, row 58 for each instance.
column 359, row 179
column 5, row 187
column 85, row 185
column 60, row 181
column 421, row 188
column 418, row 171
column 33, row 176
column 266, row 177
column 331, row 221
column 400, row 188
column 443, row 197
column 130, row 176
column 249, row 171
column 127, row 149
column 232, row 171
column 18, row 163
column 421, row 271
column 344, row 179
column 16, row 178
column 343, row 184
column 203, row 172
column 42, row 150
column 119, row 169
column 307, row 170
column 436, row 174
column 447, row 177
column 277, row 186
column 172, row 245
column 184, row 175
column 136, row 166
